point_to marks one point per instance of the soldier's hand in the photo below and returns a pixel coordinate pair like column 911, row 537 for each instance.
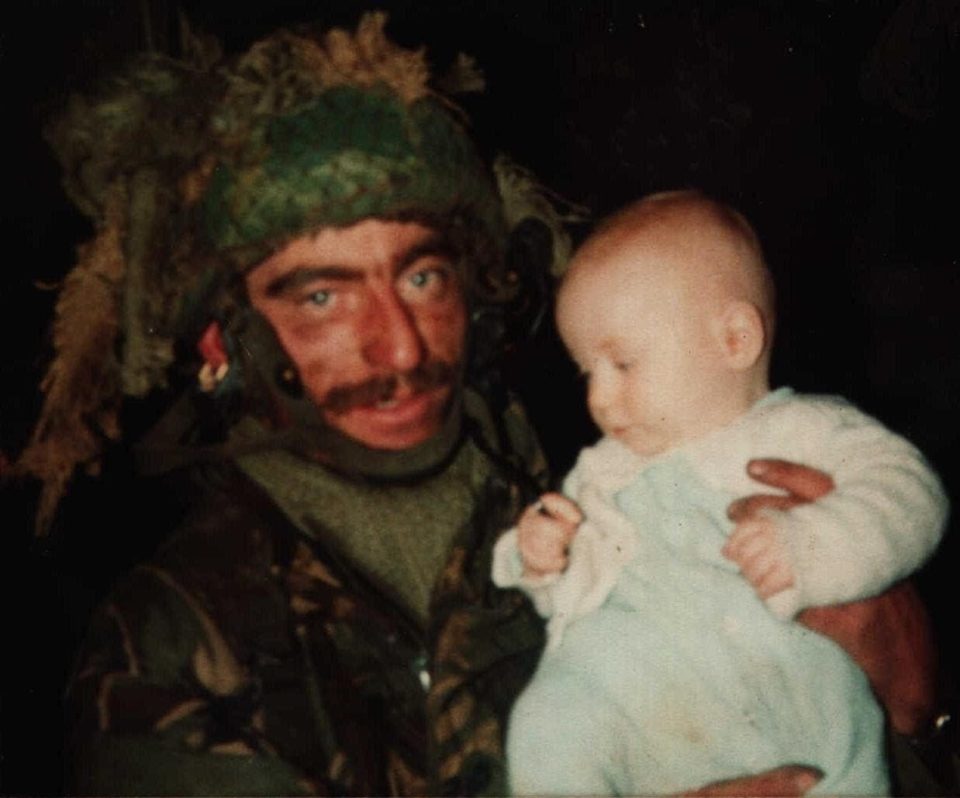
column 786, row 780
column 801, row 483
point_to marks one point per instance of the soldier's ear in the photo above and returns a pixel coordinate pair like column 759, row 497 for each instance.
column 741, row 335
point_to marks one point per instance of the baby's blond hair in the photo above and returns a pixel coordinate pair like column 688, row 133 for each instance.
column 691, row 217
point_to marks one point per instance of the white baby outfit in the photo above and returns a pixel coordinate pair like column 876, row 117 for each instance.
column 663, row 669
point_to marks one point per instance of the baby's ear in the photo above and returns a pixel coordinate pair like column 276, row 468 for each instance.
column 742, row 334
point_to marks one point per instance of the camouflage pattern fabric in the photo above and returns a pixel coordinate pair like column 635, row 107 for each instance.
column 248, row 658
column 350, row 154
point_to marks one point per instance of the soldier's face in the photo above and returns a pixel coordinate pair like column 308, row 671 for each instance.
column 373, row 316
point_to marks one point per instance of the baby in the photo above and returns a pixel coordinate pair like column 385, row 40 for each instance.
column 672, row 660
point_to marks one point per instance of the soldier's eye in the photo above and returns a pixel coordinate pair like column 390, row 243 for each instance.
column 320, row 298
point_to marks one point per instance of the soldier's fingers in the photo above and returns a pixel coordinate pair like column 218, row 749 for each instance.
column 802, row 482
column 785, row 780
column 750, row 506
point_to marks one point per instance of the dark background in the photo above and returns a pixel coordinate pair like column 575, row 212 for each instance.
column 833, row 124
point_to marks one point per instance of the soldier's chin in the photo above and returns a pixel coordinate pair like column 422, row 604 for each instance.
column 396, row 424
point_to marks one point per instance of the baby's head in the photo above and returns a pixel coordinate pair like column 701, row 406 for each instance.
column 668, row 310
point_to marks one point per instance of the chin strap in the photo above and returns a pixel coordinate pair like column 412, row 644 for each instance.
column 263, row 384
column 159, row 451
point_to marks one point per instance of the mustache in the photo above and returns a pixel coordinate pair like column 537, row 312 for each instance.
column 425, row 377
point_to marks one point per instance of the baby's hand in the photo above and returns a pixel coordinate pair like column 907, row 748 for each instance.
column 544, row 532
column 758, row 548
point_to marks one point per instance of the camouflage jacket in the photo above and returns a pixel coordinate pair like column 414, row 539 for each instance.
column 248, row 658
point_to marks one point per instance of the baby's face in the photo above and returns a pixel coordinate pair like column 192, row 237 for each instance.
column 646, row 345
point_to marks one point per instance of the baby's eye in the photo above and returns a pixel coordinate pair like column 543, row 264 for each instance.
column 623, row 365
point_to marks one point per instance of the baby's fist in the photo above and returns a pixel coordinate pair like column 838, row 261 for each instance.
column 757, row 546
column 544, row 533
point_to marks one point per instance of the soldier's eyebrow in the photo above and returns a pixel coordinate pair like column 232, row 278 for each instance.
column 302, row 275
column 434, row 245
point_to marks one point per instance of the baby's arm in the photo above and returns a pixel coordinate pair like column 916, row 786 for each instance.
column 544, row 533
column 760, row 549
column 888, row 636
column 880, row 524
column 565, row 586
column 533, row 554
